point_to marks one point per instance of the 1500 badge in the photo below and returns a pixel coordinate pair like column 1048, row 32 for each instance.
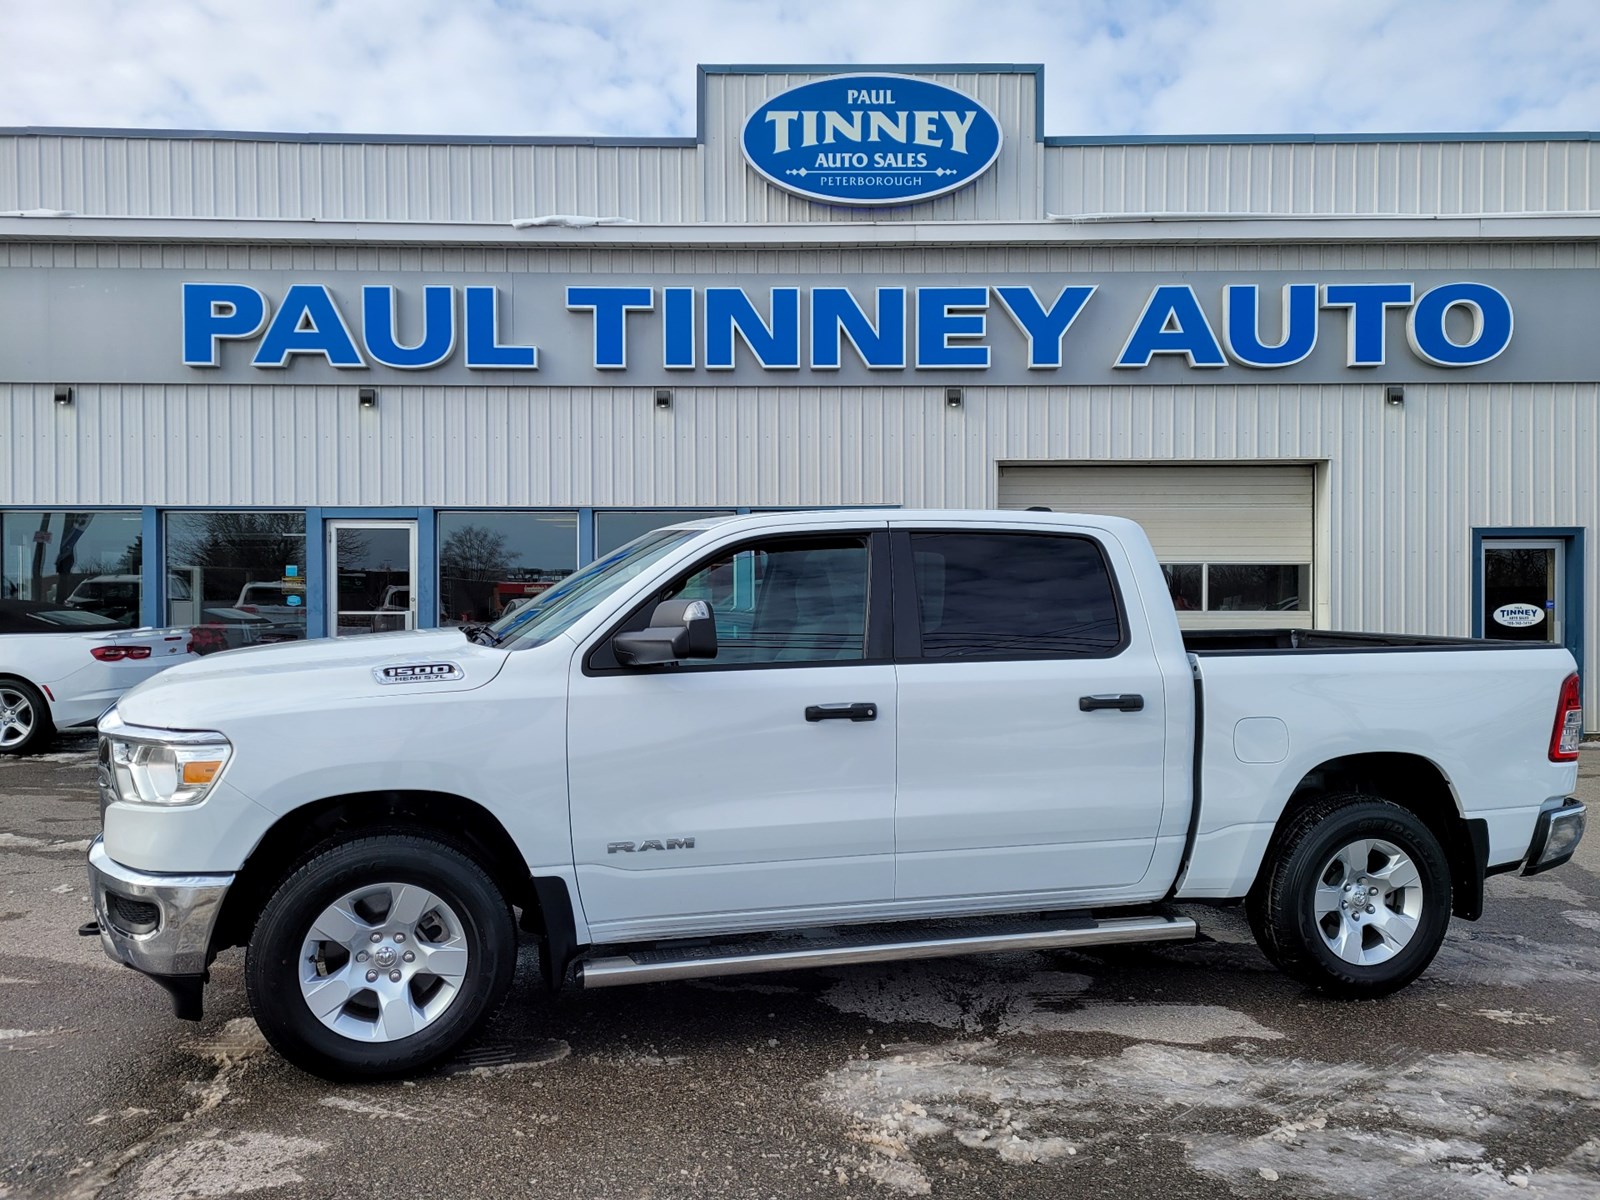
column 418, row 673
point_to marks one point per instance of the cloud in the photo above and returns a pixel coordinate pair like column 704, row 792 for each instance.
column 627, row 67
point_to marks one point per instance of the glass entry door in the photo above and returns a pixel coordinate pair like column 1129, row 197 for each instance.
column 1523, row 590
column 372, row 575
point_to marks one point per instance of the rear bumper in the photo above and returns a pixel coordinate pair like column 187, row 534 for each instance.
column 1555, row 836
column 158, row 924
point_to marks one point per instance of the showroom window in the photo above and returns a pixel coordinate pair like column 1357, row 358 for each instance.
column 613, row 529
column 89, row 561
column 236, row 578
column 491, row 561
column 1239, row 587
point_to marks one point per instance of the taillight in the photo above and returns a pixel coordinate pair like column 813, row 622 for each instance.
column 249, row 608
column 118, row 653
column 1568, row 729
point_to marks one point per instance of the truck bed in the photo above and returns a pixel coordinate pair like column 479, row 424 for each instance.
column 1213, row 642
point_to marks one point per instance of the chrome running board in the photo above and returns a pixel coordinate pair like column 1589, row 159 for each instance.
column 796, row 952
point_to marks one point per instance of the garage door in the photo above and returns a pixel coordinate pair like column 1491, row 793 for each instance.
column 1235, row 540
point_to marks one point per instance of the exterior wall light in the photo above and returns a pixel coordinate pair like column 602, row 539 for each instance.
column 952, row 397
column 663, row 398
column 63, row 395
column 1394, row 394
column 368, row 397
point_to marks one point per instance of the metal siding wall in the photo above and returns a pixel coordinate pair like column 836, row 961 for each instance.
column 336, row 181
column 802, row 263
column 331, row 181
column 1325, row 178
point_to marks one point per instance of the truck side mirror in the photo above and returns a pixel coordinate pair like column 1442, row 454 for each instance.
column 678, row 629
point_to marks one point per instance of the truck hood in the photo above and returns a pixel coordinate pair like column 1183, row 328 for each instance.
column 310, row 675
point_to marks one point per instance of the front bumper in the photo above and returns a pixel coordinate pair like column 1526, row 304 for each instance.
column 1555, row 837
column 158, row 924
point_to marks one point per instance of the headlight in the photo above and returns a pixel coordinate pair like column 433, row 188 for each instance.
column 153, row 766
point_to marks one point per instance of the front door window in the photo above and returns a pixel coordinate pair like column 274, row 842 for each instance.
column 372, row 568
column 1522, row 590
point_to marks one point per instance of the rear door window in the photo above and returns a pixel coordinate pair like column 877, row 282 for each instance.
column 1014, row 595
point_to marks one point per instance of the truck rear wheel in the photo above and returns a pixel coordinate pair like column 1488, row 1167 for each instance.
column 380, row 957
column 1356, row 897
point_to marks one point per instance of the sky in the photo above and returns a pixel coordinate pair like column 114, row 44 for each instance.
column 627, row 68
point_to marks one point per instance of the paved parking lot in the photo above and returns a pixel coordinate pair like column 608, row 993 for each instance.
column 1193, row 1070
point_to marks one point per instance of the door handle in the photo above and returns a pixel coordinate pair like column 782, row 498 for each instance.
column 841, row 712
column 1127, row 702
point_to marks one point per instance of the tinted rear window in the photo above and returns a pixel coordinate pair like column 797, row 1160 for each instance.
column 1013, row 594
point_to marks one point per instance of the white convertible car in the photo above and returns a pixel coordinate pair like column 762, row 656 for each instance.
column 61, row 667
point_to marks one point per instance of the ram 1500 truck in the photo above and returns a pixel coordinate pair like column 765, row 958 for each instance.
column 796, row 739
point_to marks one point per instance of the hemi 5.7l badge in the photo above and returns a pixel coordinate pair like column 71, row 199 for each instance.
column 418, row 673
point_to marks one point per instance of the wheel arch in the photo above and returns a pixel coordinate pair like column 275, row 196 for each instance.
column 306, row 831
column 1417, row 784
column 9, row 676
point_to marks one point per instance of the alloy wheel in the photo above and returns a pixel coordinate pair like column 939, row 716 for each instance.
column 1368, row 901
column 383, row 962
column 16, row 717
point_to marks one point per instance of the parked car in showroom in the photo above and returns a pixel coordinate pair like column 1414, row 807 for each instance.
column 284, row 604
column 63, row 667
column 229, row 628
column 792, row 740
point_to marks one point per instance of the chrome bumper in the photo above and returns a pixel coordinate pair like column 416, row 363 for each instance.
column 1555, row 837
column 158, row 924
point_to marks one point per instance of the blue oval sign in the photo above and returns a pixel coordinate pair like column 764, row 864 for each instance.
column 871, row 139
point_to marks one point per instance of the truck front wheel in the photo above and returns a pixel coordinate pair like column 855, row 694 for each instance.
column 1355, row 899
column 379, row 957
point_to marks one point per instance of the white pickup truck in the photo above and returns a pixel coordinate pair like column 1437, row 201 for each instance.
column 799, row 739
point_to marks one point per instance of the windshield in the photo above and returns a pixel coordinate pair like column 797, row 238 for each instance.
column 552, row 611
column 101, row 589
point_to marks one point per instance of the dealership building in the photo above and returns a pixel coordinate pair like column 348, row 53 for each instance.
column 281, row 385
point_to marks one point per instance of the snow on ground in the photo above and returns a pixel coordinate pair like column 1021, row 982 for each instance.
column 212, row 1165
column 1416, row 1126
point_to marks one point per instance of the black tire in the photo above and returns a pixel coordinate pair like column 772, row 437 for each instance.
column 273, row 955
column 18, row 694
column 1281, row 906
